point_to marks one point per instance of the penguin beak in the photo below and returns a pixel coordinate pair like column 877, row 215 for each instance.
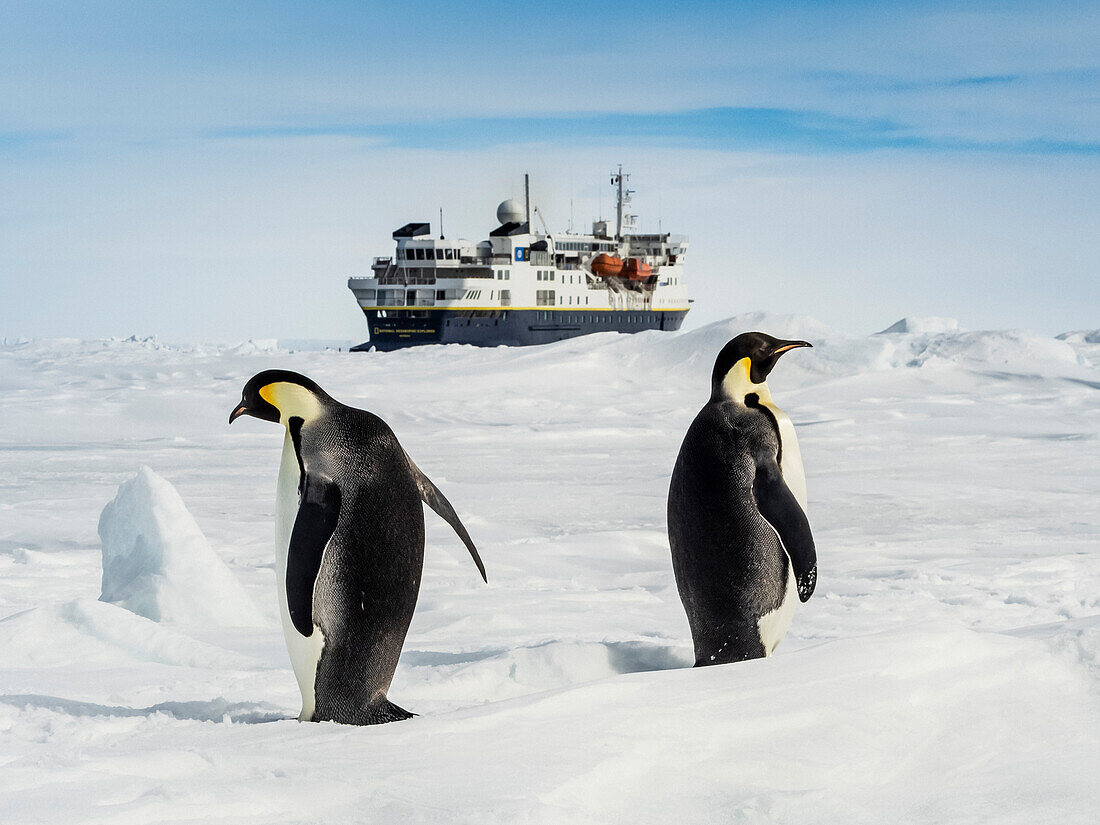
column 237, row 413
column 762, row 367
column 786, row 345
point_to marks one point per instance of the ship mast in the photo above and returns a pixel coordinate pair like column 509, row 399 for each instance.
column 622, row 199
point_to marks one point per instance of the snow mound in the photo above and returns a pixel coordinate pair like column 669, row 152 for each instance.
column 158, row 564
column 143, row 341
column 1013, row 350
column 1080, row 336
column 910, row 343
column 93, row 633
column 715, row 335
column 922, row 326
column 527, row 669
column 254, row 345
column 694, row 352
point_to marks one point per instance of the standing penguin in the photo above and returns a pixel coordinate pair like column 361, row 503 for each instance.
column 349, row 546
column 742, row 549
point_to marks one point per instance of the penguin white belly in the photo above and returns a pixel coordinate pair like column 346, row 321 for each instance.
column 304, row 652
column 773, row 626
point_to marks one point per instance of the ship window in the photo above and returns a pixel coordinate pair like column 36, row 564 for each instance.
column 419, row 254
column 449, row 254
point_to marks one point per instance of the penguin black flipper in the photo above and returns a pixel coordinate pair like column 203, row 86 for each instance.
column 780, row 508
column 431, row 496
column 318, row 513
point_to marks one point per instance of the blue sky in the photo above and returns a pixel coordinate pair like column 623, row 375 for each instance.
column 856, row 161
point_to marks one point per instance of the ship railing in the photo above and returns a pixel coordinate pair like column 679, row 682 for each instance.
column 401, row 280
column 483, row 260
column 463, row 274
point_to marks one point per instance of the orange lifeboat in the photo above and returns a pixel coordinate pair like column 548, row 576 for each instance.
column 607, row 266
column 636, row 270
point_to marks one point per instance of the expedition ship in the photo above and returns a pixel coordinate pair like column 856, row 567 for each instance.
column 522, row 287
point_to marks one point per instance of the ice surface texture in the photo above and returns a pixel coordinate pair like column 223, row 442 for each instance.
column 944, row 672
column 157, row 562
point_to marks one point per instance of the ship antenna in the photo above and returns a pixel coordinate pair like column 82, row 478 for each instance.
column 441, row 236
column 618, row 181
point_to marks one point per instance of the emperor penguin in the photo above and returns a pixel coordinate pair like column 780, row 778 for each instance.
column 742, row 550
column 349, row 546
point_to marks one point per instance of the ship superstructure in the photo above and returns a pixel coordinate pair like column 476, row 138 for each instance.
column 522, row 287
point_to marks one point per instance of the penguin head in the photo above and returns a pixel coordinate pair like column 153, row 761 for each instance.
column 744, row 363
column 279, row 395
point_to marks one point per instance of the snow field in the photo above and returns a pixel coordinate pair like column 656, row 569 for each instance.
column 945, row 669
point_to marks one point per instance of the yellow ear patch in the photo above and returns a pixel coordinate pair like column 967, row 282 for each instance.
column 267, row 393
column 746, row 367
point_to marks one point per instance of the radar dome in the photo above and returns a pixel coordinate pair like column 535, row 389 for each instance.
column 511, row 211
